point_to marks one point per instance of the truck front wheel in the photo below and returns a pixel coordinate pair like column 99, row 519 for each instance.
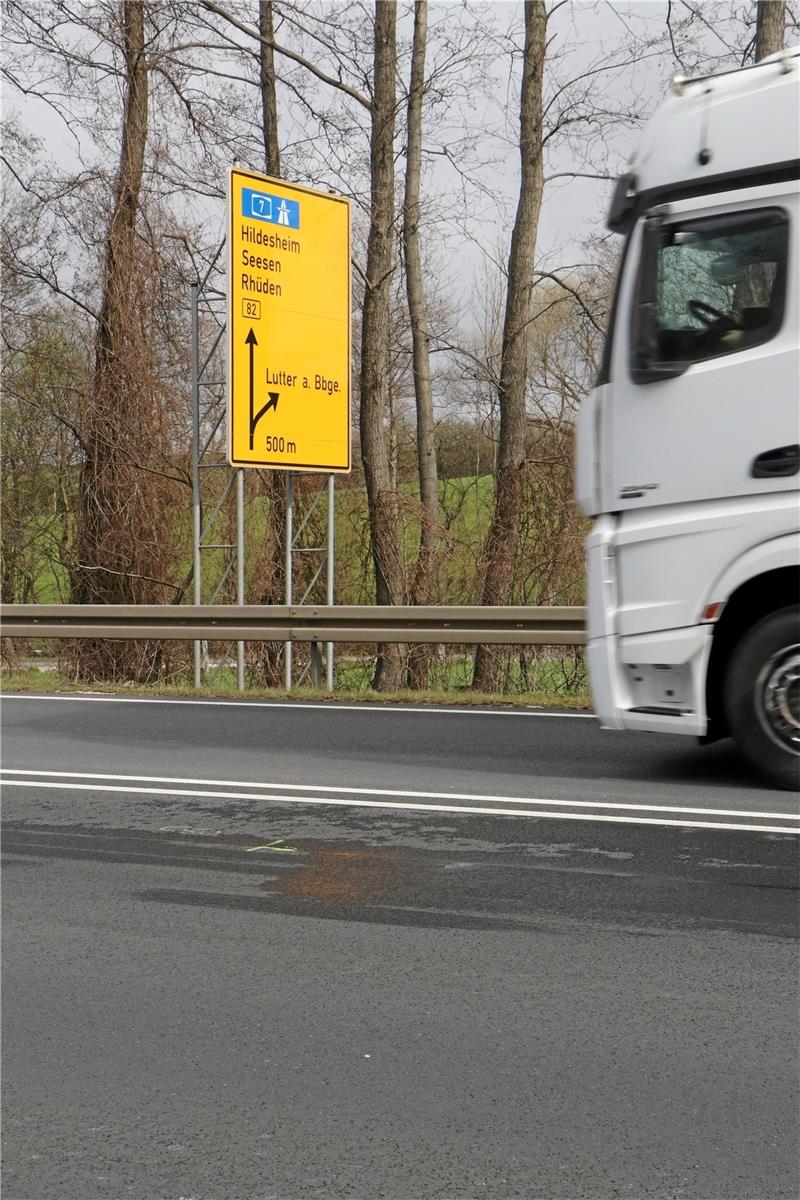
column 762, row 697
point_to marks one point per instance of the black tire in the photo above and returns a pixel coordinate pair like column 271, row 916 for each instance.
column 762, row 697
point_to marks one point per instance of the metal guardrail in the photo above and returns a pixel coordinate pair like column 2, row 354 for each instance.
column 465, row 625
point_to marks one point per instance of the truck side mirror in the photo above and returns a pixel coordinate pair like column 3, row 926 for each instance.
column 623, row 204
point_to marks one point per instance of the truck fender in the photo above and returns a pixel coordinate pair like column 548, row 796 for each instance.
column 779, row 552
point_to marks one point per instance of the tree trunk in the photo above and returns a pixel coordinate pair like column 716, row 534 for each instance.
column 500, row 547
column 375, row 336
column 420, row 337
column 266, row 657
column 269, row 95
column 393, row 433
column 770, row 27
column 121, row 544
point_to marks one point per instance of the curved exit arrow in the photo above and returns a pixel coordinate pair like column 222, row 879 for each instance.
column 271, row 403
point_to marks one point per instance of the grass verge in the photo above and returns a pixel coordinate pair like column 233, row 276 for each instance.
column 34, row 679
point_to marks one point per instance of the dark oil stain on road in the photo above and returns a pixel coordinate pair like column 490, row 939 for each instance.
column 637, row 879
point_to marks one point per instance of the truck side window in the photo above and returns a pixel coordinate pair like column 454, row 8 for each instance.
column 720, row 285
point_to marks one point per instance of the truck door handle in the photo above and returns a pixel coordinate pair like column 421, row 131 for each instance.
column 783, row 460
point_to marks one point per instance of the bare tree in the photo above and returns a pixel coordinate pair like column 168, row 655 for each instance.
column 269, row 98
column 272, row 575
column 118, row 557
column 501, row 541
column 375, row 339
column 770, row 27
column 102, row 242
column 420, row 336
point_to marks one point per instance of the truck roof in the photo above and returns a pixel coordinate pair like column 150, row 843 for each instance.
column 728, row 126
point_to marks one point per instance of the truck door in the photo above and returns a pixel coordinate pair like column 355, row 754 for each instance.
column 705, row 362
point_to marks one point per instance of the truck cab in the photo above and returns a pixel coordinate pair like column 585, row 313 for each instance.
column 688, row 449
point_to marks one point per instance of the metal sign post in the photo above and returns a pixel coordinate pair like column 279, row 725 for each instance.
column 207, row 415
column 289, row 552
column 295, row 547
column 329, row 580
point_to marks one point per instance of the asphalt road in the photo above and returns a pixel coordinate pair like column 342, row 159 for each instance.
column 302, row 951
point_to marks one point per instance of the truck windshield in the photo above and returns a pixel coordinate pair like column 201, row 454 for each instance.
column 720, row 284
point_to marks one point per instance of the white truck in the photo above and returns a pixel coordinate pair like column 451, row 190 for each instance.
column 688, row 449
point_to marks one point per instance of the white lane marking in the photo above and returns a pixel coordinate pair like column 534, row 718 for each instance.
column 477, row 797
column 330, row 706
column 401, row 806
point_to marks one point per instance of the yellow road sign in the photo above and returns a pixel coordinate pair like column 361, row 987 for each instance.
column 288, row 290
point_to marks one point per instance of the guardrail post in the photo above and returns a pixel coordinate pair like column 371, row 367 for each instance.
column 316, row 665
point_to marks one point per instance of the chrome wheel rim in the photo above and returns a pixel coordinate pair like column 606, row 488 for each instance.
column 778, row 698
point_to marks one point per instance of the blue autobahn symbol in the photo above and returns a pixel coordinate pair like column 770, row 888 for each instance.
column 275, row 210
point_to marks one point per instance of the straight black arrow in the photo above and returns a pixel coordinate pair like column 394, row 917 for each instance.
column 251, row 341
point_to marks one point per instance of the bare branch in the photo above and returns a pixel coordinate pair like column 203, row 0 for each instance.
column 291, row 54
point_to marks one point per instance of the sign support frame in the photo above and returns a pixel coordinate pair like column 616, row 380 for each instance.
column 293, row 536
